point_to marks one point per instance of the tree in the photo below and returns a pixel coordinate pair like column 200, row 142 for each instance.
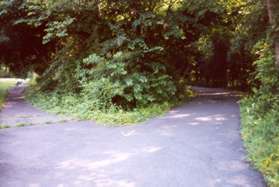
column 59, row 34
column 21, row 47
column 273, row 13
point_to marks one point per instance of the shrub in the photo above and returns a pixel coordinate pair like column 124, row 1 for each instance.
column 113, row 82
column 260, row 117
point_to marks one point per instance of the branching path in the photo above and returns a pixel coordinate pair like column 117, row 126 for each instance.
column 195, row 145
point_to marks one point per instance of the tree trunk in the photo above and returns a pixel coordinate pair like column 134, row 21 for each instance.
column 273, row 14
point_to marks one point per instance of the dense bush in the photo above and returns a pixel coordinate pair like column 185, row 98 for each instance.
column 60, row 33
column 113, row 57
column 260, row 116
column 116, row 82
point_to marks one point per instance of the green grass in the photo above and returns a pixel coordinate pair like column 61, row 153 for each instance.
column 77, row 108
column 4, row 126
column 260, row 132
column 5, row 84
column 24, row 124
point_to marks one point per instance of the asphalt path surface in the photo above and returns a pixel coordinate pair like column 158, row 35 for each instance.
column 195, row 145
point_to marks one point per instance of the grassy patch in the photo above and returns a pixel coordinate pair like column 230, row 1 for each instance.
column 4, row 126
column 260, row 131
column 5, row 84
column 23, row 124
column 73, row 106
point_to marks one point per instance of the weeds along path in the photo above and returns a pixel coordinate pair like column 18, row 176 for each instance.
column 195, row 145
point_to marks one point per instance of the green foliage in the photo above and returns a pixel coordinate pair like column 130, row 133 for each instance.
column 120, row 61
column 59, row 32
column 5, row 85
column 57, row 29
column 260, row 116
column 21, row 45
column 266, row 73
column 71, row 30
column 114, row 82
column 77, row 106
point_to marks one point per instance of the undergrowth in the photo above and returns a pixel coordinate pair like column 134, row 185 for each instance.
column 260, row 119
column 76, row 106
column 128, row 87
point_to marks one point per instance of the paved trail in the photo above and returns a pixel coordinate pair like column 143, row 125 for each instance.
column 195, row 145
column 18, row 112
